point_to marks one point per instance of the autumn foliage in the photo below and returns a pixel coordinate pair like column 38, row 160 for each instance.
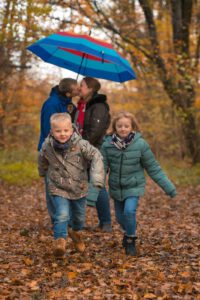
column 164, row 51
column 167, row 266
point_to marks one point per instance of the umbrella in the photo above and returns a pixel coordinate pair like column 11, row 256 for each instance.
column 83, row 55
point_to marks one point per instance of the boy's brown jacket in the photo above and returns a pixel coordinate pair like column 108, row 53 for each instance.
column 67, row 174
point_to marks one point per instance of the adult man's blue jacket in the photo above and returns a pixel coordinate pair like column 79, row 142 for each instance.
column 56, row 103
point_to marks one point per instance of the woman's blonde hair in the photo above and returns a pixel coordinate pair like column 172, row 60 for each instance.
column 128, row 115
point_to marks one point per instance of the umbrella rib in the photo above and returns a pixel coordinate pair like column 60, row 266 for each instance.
column 83, row 56
column 52, row 54
column 118, row 73
column 86, row 60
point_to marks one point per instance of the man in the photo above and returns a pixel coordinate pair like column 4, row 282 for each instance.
column 59, row 101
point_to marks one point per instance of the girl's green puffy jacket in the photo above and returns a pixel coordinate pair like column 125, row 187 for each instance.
column 126, row 169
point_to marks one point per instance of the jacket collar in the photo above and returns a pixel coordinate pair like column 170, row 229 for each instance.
column 55, row 92
column 96, row 98
column 108, row 139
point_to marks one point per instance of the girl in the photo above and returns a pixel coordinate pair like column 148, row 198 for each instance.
column 126, row 155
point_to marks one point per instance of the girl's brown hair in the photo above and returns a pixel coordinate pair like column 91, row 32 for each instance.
column 128, row 115
column 92, row 83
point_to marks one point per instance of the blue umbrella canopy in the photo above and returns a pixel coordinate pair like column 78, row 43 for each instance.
column 83, row 55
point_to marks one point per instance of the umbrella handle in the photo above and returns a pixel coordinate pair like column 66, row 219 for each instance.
column 83, row 55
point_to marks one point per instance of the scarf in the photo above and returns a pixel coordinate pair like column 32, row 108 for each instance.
column 122, row 143
column 60, row 147
column 81, row 105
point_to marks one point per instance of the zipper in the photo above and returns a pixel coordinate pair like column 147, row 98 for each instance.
column 120, row 173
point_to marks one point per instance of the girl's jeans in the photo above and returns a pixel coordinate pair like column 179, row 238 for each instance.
column 125, row 212
column 66, row 211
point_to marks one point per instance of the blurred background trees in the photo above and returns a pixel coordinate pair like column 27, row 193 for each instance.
column 160, row 38
column 163, row 40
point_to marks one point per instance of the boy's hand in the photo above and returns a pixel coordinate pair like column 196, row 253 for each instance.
column 98, row 187
column 41, row 180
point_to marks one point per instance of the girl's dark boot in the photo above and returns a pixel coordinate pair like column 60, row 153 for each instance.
column 129, row 245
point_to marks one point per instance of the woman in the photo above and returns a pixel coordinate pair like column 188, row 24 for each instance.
column 93, row 120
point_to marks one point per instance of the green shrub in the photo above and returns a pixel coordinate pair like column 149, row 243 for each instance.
column 18, row 166
column 181, row 172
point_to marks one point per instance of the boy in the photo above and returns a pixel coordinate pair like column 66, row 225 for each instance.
column 59, row 101
column 63, row 159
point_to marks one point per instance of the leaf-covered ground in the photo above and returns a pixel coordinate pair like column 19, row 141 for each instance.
column 167, row 266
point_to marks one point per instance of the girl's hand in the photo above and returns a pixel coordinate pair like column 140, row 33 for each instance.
column 173, row 194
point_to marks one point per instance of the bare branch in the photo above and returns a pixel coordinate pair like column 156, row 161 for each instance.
column 153, row 37
column 197, row 55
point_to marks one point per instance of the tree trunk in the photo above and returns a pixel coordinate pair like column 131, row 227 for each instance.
column 183, row 98
column 2, row 143
column 180, row 89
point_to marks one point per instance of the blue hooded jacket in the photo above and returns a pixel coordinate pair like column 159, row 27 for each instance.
column 56, row 103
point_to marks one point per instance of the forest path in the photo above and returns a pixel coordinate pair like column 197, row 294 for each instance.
column 167, row 266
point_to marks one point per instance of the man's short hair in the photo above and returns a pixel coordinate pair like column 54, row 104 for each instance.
column 59, row 117
column 65, row 85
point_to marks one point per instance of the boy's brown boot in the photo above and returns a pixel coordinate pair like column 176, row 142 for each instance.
column 77, row 239
column 59, row 247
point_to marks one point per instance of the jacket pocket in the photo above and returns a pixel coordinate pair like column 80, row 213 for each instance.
column 129, row 182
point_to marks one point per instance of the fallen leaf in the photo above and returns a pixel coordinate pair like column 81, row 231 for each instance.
column 86, row 291
column 150, row 296
column 28, row 261
column 185, row 274
column 25, row 272
column 32, row 283
column 57, row 274
column 71, row 275
column 17, row 281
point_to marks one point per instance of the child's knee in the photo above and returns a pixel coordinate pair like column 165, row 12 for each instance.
column 130, row 211
column 62, row 217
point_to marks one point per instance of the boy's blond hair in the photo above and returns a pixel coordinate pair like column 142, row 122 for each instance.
column 128, row 115
column 59, row 117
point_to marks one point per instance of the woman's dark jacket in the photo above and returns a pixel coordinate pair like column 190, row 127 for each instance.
column 96, row 120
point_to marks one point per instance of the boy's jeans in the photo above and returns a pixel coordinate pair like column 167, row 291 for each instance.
column 50, row 207
column 67, row 210
column 125, row 212
column 103, row 207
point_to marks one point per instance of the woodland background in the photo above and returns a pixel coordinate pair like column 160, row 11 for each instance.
column 161, row 40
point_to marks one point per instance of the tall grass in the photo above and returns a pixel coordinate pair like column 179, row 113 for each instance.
column 182, row 173
column 19, row 166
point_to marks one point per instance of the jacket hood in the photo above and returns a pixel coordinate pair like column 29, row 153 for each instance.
column 137, row 136
column 97, row 98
